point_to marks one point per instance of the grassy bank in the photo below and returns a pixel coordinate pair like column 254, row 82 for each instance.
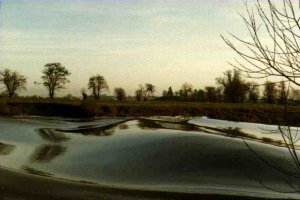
column 259, row 113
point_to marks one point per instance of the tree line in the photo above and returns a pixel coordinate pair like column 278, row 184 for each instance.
column 54, row 77
column 230, row 88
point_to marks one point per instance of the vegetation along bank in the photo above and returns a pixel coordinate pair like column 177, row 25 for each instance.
column 258, row 113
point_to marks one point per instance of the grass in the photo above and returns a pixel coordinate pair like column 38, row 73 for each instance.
column 258, row 113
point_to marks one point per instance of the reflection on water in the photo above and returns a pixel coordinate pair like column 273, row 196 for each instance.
column 236, row 132
column 151, row 124
column 33, row 171
column 97, row 128
column 47, row 152
column 232, row 132
column 148, row 124
column 51, row 135
column 159, row 155
column 174, row 126
column 80, row 120
column 123, row 126
column 268, row 134
column 258, row 130
column 6, row 149
column 97, row 132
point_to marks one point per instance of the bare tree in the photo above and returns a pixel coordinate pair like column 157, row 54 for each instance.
column 170, row 92
column 211, row 94
column 273, row 50
column 234, row 87
column 144, row 92
column 150, row 90
column 295, row 95
column 274, row 45
column 13, row 81
column 253, row 95
column 186, row 90
column 270, row 92
column 54, row 77
column 83, row 93
column 120, row 94
column 202, row 95
column 283, row 93
column 97, row 84
column 140, row 93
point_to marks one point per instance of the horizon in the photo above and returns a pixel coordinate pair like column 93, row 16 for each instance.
column 166, row 43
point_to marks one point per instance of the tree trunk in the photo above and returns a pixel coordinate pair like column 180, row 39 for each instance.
column 10, row 94
column 51, row 93
column 98, row 94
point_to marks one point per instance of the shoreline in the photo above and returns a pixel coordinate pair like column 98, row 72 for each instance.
column 255, row 113
column 21, row 185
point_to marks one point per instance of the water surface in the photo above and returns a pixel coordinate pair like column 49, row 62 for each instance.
column 149, row 155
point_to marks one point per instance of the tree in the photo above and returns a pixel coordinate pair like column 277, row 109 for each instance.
column 83, row 93
column 211, row 94
column 150, row 90
column 194, row 95
column 283, row 93
column 202, row 96
column 270, row 92
column 54, row 77
column 295, row 95
column 186, row 90
column 165, row 94
column 234, row 87
column 170, row 92
column 274, row 46
column 220, row 96
column 97, row 84
column 13, row 81
column 253, row 95
column 68, row 97
column 273, row 51
column 140, row 93
column 120, row 94
column 144, row 92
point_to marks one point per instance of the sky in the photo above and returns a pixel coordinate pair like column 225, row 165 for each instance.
column 163, row 42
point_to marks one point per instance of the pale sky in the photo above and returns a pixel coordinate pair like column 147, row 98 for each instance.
column 163, row 42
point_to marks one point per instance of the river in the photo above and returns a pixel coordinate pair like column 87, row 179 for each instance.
column 122, row 158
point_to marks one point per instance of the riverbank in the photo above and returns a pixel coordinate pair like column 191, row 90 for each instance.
column 257, row 113
column 25, row 186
